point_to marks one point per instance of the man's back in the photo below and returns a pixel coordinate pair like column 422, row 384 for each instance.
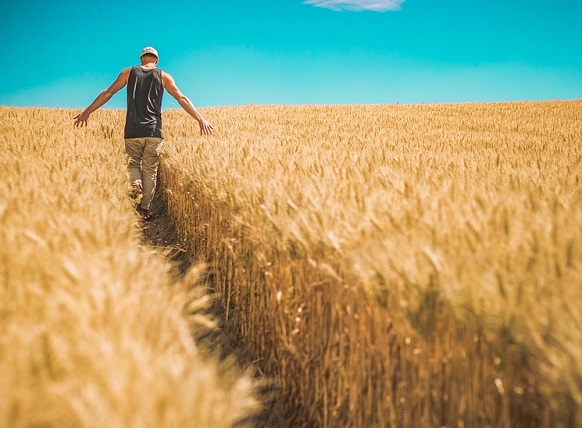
column 144, row 103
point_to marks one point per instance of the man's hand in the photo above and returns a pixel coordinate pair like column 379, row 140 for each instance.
column 81, row 119
column 205, row 127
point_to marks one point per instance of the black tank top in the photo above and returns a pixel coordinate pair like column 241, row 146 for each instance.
column 144, row 103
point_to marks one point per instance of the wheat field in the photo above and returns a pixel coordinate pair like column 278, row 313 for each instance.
column 95, row 328
column 390, row 265
column 397, row 265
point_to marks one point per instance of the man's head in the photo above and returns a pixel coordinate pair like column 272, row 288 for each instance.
column 149, row 54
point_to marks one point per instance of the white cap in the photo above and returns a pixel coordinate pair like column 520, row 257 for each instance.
column 149, row 50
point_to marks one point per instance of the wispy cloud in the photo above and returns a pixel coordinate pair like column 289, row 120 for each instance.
column 357, row 5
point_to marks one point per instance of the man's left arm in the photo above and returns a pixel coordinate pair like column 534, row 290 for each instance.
column 103, row 97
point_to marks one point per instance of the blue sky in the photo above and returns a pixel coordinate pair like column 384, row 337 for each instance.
column 236, row 52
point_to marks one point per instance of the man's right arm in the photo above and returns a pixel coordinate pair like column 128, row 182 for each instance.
column 103, row 97
column 185, row 103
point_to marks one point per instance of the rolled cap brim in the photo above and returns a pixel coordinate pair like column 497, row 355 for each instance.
column 149, row 50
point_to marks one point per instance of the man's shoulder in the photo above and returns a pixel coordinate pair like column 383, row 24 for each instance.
column 166, row 75
column 127, row 70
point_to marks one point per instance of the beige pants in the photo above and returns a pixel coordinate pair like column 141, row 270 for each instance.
column 144, row 158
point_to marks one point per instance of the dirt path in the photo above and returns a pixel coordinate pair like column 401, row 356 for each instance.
column 160, row 234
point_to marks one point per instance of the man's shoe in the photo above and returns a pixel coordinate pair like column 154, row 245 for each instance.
column 143, row 213
column 136, row 191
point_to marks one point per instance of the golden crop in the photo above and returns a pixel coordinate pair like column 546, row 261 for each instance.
column 391, row 265
column 413, row 265
column 94, row 329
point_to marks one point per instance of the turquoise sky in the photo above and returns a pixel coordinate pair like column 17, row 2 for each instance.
column 236, row 52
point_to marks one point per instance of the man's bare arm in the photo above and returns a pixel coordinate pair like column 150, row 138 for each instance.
column 103, row 97
column 185, row 103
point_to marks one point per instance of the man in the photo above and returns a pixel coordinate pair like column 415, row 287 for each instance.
column 143, row 123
